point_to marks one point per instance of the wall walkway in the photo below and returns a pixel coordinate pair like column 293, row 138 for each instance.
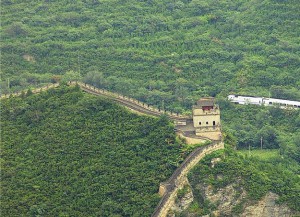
column 126, row 101
column 130, row 102
column 35, row 90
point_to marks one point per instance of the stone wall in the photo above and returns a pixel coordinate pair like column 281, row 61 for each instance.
column 132, row 103
column 36, row 90
column 176, row 181
column 127, row 101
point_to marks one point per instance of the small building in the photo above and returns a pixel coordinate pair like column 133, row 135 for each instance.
column 206, row 118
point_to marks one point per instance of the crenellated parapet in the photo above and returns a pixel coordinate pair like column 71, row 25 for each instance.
column 133, row 103
column 129, row 102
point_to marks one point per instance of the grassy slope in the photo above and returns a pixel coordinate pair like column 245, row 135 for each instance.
column 68, row 154
column 265, row 154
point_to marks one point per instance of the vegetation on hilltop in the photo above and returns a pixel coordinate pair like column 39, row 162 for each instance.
column 262, row 127
column 65, row 153
column 162, row 52
column 277, row 171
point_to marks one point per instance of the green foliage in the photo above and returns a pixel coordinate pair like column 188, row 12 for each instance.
column 16, row 30
column 281, row 92
column 238, row 209
column 256, row 126
column 264, row 154
column 291, row 146
column 181, row 192
column 165, row 53
column 195, row 208
column 65, row 153
column 28, row 93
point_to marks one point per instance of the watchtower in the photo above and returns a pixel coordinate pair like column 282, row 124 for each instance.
column 206, row 118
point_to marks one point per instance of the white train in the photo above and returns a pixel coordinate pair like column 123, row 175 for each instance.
column 263, row 101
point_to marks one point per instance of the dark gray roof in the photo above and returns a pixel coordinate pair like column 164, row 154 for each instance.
column 207, row 101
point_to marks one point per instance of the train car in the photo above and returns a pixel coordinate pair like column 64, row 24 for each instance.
column 244, row 100
column 281, row 103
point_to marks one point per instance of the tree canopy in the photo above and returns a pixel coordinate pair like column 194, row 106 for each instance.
column 215, row 47
column 65, row 153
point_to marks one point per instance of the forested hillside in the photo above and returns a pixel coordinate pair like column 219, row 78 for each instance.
column 64, row 153
column 262, row 127
column 162, row 52
column 250, row 177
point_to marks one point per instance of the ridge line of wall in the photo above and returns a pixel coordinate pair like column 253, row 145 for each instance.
column 35, row 90
column 117, row 97
column 124, row 99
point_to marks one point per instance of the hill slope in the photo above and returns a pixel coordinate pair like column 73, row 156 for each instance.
column 68, row 154
column 162, row 52
column 232, row 187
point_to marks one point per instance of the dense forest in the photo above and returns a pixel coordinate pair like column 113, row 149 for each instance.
column 65, row 153
column 161, row 52
column 167, row 53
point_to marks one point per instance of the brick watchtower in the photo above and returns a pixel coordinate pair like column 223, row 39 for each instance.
column 206, row 118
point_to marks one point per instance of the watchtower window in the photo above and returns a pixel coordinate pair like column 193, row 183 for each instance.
column 200, row 123
column 214, row 123
column 206, row 122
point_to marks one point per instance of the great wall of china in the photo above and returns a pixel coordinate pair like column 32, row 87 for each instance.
column 168, row 190
column 124, row 100
column 35, row 90
column 130, row 102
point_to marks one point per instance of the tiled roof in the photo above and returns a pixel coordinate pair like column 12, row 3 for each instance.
column 207, row 101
